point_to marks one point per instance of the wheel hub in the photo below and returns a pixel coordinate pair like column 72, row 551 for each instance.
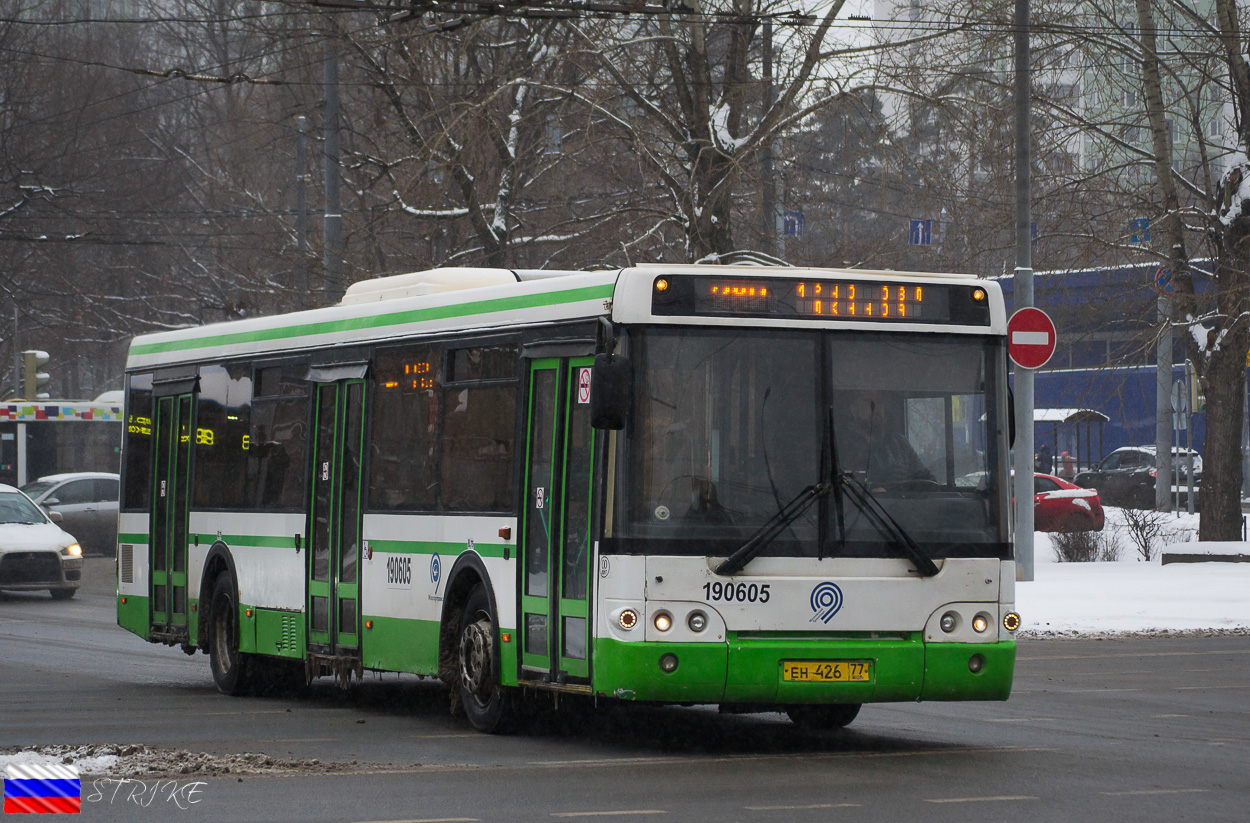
column 475, row 652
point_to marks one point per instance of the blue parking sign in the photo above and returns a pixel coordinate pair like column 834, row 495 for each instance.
column 921, row 233
column 792, row 224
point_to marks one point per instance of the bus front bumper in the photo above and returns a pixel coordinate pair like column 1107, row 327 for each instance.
column 749, row 670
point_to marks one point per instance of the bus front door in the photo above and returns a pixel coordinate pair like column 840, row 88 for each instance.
column 171, row 486
column 556, row 549
column 334, row 541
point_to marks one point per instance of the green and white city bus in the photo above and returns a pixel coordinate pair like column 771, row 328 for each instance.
column 773, row 489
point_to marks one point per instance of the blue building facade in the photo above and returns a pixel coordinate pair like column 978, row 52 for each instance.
column 1105, row 358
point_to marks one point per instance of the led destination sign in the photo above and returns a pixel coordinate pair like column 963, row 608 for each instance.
column 811, row 299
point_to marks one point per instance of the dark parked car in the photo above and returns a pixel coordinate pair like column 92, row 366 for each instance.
column 1126, row 477
column 87, row 502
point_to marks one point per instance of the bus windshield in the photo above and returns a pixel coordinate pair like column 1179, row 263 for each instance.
column 731, row 425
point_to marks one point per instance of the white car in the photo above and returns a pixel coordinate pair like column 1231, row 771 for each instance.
column 87, row 502
column 35, row 553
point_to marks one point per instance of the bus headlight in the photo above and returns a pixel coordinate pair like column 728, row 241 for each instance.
column 980, row 623
column 627, row 619
column 697, row 621
column 948, row 622
column 663, row 621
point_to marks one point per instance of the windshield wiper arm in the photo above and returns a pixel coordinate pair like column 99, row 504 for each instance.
column 774, row 526
column 885, row 523
column 835, row 478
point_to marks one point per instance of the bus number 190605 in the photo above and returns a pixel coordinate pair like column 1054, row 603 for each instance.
column 736, row 592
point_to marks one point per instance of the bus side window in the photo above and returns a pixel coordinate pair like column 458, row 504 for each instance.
column 137, row 443
column 277, row 439
column 403, row 461
column 479, row 429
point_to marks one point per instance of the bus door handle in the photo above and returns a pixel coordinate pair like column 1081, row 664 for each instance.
column 297, row 543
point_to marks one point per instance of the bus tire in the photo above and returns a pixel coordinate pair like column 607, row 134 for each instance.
column 230, row 666
column 823, row 718
column 488, row 705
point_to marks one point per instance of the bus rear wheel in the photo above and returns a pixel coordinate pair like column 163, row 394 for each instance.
column 823, row 718
column 230, row 666
column 488, row 705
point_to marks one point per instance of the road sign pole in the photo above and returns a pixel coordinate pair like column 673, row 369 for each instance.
column 1022, row 293
column 1163, row 406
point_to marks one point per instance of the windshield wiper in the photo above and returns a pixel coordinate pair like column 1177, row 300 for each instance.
column 774, row 526
column 885, row 523
column 839, row 485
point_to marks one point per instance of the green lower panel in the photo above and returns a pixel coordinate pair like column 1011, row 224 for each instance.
column 247, row 629
column 947, row 675
column 398, row 645
column 632, row 671
column 193, row 622
column 508, row 650
column 750, row 670
column 280, row 633
column 133, row 613
column 755, row 670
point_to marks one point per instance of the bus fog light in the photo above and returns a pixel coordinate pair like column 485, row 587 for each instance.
column 976, row 663
column 980, row 623
column 663, row 621
column 948, row 622
column 697, row 621
column 1011, row 621
column 668, row 663
column 627, row 619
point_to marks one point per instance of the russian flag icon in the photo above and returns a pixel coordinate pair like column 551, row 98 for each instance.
column 41, row 789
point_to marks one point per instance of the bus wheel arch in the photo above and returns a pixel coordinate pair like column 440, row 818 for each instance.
column 469, row 594
column 217, row 561
column 232, row 669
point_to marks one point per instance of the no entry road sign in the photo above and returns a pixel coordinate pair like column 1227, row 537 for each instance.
column 1030, row 338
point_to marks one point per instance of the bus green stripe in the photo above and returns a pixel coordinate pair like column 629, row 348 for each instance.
column 381, row 320
column 434, row 547
column 387, row 546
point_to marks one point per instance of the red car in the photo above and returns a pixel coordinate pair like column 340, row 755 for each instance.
column 1060, row 506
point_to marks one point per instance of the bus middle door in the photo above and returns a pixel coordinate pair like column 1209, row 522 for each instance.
column 556, row 549
column 334, row 532
column 170, row 501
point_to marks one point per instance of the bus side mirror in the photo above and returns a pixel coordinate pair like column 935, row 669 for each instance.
column 610, row 390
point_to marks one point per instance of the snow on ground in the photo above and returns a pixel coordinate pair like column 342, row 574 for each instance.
column 1132, row 594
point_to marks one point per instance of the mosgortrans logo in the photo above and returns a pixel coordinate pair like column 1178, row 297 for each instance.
column 826, row 600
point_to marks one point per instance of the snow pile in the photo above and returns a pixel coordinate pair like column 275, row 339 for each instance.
column 138, row 761
column 1235, row 186
column 1133, row 595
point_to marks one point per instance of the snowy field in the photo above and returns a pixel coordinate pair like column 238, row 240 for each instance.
column 1132, row 594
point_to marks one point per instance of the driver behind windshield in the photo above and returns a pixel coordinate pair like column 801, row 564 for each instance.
column 870, row 449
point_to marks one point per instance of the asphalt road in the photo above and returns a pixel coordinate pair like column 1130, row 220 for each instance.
column 1135, row 729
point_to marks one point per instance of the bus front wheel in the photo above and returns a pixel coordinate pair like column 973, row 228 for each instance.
column 823, row 718
column 229, row 665
column 487, row 704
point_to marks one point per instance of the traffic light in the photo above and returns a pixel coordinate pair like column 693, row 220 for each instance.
column 34, row 380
